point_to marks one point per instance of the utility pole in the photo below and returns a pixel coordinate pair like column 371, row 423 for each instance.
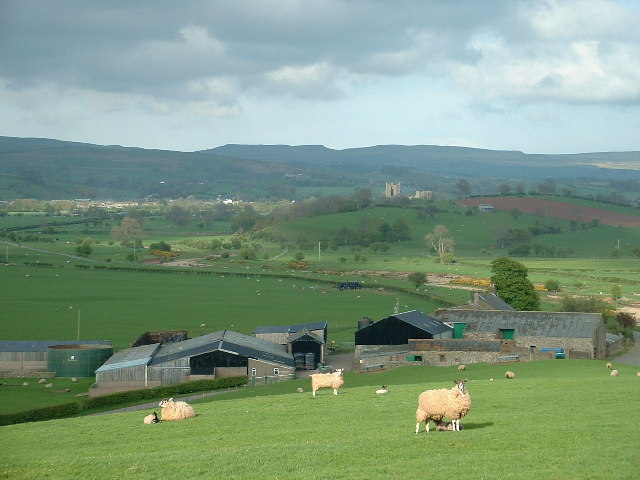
column 318, row 252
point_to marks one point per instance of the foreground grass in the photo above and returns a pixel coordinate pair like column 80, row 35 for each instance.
column 556, row 419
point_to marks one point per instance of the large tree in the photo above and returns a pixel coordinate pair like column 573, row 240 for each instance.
column 509, row 278
column 440, row 241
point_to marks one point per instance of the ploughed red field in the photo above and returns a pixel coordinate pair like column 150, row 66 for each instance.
column 552, row 208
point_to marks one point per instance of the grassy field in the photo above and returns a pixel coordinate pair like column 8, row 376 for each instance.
column 557, row 419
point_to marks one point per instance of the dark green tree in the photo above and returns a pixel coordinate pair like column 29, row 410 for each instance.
column 417, row 278
column 509, row 278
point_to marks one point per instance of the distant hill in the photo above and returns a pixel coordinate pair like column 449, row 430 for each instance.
column 53, row 169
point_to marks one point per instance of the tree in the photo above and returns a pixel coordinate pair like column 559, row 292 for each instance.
column 417, row 278
column 616, row 293
column 128, row 230
column 440, row 241
column 400, row 229
column 509, row 278
column 462, row 188
column 504, row 189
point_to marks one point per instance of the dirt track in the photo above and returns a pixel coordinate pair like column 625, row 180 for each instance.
column 552, row 208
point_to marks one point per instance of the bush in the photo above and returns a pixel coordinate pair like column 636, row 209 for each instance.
column 552, row 285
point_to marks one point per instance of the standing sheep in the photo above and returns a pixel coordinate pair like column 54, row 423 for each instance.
column 327, row 380
column 462, row 367
column 452, row 403
column 510, row 375
column 176, row 410
column 609, row 366
column 151, row 418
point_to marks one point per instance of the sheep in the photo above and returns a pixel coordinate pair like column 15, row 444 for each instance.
column 151, row 418
column 327, row 380
column 176, row 410
column 510, row 375
column 383, row 390
column 41, row 381
column 462, row 367
column 609, row 366
column 614, row 373
column 445, row 426
column 452, row 403
column 299, row 390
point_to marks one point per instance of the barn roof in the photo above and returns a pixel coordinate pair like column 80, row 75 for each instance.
column 130, row 357
column 291, row 328
column 228, row 341
column 42, row 345
column 421, row 321
column 534, row 324
column 305, row 333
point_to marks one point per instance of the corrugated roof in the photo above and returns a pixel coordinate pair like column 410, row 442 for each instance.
column 130, row 357
column 291, row 328
column 534, row 324
column 304, row 332
column 422, row 321
column 42, row 345
column 228, row 341
column 495, row 302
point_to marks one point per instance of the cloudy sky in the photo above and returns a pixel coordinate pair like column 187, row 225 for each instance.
column 540, row 76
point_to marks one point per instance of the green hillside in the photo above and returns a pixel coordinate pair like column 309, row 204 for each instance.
column 556, row 419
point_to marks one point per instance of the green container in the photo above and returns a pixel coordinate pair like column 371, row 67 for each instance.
column 77, row 360
column 458, row 329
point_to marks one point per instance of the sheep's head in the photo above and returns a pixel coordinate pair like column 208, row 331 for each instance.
column 165, row 401
column 339, row 371
column 460, row 385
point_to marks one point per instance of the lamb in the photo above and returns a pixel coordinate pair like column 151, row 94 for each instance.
column 383, row 390
column 614, row 373
column 452, row 403
column 176, row 410
column 510, row 375
column 151, row 418
column 327, row 380
column 445, row 426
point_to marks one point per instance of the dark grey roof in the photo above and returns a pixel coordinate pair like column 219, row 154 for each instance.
column 305, row 333
column 534, row 324
column 291, row 328
column 227, row 341
column 495, row 302
column 130, row 357
column 422, row 321
column 42, row 345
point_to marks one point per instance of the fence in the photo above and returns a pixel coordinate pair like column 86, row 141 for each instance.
column 269, row 379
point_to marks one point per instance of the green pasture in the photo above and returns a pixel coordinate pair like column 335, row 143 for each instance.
column 17, row 397
column 557, row 419
column 39, row 303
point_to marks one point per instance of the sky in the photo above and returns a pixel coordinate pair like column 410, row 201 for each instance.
column 538, row 76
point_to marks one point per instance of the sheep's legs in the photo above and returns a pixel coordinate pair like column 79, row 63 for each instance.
column 455, row 423
column 335, row 391
column 314, row 393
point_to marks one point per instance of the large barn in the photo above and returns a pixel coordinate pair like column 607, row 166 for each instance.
column 397, row 329
column 220, row 354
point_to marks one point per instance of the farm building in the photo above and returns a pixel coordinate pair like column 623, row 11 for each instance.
column 220, row 354
column 490, row 336
column 400, row 327
column 304, row 338
column 21, row 357
column 484, row 301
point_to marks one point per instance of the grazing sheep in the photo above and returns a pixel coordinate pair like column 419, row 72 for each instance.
column 74, row 379
column 382, row 390
column 327, row 380
column 176, row 410
column 609, row 366
column 49, row 385
column 299, row 390
column 41, row 381
column 462, row 367
column 25, row 384
column 452, row 403
column 510, row 375
column 151, row 418
column 614, row 373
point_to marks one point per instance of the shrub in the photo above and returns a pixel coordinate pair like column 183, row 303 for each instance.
column 552, row 285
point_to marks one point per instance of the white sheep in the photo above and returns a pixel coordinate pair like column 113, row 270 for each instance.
column 176, row 410
column 299, row 390
column 614, row 373
column 327, row 380
column 510, row 375
column 609, row 366
column 462, row 367
column 383, row 390
column 151, row 418
column 452, row 403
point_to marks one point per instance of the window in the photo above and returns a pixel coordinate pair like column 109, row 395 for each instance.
column 276, row 371
column 253, row 372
